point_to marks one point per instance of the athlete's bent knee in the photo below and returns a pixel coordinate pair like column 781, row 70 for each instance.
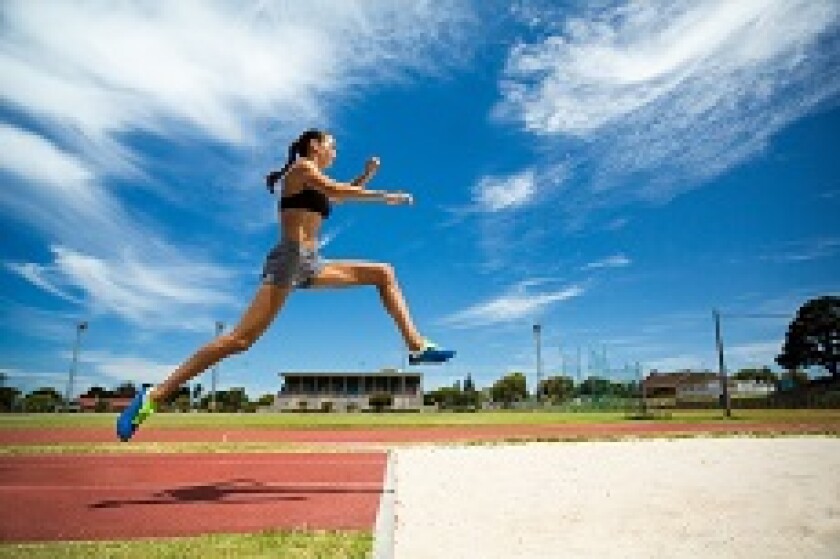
column 385, row 275
column 236, row 343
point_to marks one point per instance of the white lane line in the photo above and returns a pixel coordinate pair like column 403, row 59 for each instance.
column 383, row 543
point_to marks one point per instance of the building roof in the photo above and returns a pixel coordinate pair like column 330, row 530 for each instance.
column 113, row 400
column 671, row 380
column 382, row 373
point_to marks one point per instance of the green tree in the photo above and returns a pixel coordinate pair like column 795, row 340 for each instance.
column 45, row 399
column 182, row 403
column 793, row 379
column 266, row 400
column 96, row 392
column 595, row 386
column 509, row 389
column 8, row 396
column 469, row 398
column 125, row 390
column 625, row 389
column 557, row 388
column 813, row 338
column 235, row 400
column 180, row 399
column 469, row 385
column 445, row 397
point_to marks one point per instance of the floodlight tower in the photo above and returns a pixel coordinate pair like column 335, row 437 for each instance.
column 220, row 326
column 80, row 327
column 537, row 338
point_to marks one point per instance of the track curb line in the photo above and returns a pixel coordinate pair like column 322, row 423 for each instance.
column 383, row 533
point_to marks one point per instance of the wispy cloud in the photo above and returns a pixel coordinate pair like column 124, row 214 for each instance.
column 214, row 67
column 200, row 71
column 234, row 73
column 162, row 295
column 805, row 251
column 494, row 194
column 503, row 205
column 670, row 94
column 617, row 224
column 125, row 268
column 57, row 192
column 616, row 261
column 19, row 321
column 124, row 368
column 513, row 305
column 35, row 274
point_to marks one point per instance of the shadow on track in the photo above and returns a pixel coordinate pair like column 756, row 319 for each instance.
column 229, row 492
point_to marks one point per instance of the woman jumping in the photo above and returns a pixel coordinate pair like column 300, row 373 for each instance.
column 304, row 202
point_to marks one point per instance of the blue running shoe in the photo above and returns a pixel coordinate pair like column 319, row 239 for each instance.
column 141, row 407
column 430, row 353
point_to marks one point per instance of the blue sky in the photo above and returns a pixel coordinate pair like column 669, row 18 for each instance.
column 613, row 171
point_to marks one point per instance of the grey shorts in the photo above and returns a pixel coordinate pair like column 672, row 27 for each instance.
column 290, row 264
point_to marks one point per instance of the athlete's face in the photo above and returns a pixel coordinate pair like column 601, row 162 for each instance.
column 325, row 151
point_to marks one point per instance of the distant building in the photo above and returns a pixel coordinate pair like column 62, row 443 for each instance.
column 112, row 404
column 712, row 389
column 667, row 385
column 697, row 386
column 337, row 391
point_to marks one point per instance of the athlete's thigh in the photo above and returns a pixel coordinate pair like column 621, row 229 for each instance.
column 262, row 310
column 346, row 273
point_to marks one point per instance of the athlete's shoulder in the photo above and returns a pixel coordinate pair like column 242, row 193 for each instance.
column 312, row 176
column 306, row 165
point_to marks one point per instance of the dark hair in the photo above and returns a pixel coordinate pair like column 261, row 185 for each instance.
column 299, row 147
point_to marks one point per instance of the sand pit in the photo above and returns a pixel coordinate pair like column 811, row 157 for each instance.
column 733, row 498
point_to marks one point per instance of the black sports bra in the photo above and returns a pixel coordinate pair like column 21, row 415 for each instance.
column 307, row 199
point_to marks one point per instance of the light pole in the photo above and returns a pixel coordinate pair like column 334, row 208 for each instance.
column 537, row 332
column 80, row 327
column 719, row 338
column 220, row 326
column 724, row 384
column 642, row 387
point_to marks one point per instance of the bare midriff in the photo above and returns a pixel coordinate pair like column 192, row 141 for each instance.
column 300, row 226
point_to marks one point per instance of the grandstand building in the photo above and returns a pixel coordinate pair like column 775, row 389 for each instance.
column 350, row 391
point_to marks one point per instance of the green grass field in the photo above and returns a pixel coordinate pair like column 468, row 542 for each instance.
column 403, row 420
column 289, row 545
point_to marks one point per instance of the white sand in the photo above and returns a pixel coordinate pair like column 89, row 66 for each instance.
column 740, row 498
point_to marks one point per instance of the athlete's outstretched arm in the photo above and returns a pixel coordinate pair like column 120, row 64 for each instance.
column 340, row 191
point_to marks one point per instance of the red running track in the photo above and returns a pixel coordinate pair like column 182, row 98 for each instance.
column 116, row 496
column 43, row 436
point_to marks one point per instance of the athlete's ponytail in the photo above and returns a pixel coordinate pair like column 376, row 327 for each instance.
column 298, row 147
